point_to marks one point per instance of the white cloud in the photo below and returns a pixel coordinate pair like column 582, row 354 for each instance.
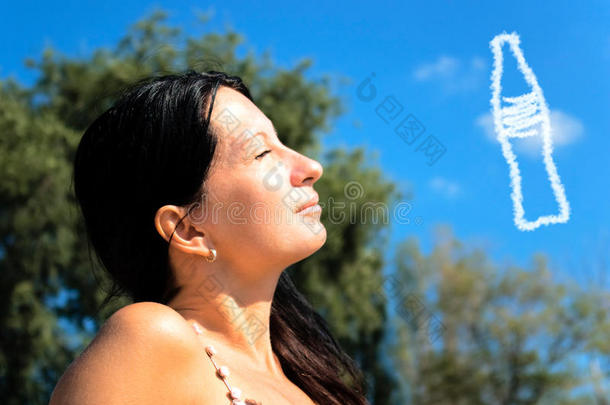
column 486, row 123
column 565, row 130
column 445, row 187
column 445, row 66
column 453, row 74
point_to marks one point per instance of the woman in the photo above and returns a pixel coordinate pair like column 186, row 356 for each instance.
column 195, row 208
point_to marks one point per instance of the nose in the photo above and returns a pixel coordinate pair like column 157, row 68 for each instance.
column 306, row 171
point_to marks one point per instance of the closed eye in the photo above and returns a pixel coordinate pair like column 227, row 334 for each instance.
column 263, row 154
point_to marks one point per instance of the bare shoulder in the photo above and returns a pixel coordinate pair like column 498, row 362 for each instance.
column 143, row 353
column 147, row 319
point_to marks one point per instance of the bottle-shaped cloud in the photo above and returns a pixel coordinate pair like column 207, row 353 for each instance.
column 521, row 117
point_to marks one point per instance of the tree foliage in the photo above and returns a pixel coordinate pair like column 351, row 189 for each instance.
column 462, row 330
column 50, row 294
column 509, row 335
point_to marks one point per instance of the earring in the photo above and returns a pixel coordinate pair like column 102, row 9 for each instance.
column 212, row 256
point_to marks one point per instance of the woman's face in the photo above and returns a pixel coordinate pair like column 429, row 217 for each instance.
column 255, row 187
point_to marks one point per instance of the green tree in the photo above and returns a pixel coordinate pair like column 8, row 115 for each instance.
column 46, row 276
column 508, row 336
column 38, row 244
column 462, row 330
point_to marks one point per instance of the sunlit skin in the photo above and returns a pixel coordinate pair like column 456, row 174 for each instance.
column 149, row 352
column 252, row 250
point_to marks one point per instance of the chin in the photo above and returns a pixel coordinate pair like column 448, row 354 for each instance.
column 313, row 235
column 304, row 239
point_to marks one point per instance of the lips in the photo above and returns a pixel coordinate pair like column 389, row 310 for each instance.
column 313, row 201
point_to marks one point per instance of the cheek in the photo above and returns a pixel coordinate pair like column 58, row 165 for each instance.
column 246, row 206
column 254, row 213
column 274, row 177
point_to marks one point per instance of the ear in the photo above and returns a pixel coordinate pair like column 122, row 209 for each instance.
column 187, row 238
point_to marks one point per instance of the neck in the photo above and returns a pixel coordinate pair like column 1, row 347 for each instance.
column 234, row 312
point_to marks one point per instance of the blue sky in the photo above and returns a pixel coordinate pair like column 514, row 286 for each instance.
column 434, row 59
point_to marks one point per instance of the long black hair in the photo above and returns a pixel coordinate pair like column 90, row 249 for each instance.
column 154, row 147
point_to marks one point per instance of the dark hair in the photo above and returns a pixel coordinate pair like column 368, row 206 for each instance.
column 154, row 147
